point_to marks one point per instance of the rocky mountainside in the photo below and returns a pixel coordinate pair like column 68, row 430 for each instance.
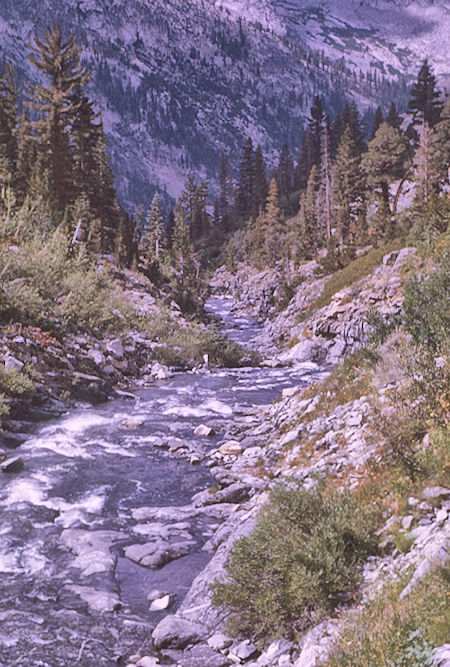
column 178, row 81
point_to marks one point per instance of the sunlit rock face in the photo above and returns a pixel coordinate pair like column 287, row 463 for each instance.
column 177, row 81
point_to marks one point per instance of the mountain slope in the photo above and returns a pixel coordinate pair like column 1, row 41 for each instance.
column 178, row 81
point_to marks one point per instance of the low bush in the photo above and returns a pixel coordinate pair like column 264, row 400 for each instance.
column 186, row 344
column 15, row 383
column 42, row 285
column 426, row 309
column 397, row 633
column 300, row 561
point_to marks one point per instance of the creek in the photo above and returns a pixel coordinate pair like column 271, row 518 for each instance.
column 69, row 594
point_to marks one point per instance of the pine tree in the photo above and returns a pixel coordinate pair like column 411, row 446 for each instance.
column 261, row 187
column 245, row 194
column 304, row 161
column 326, row 182
column 426, row 175
column 104, row 201
column 8, row 121
column 84, row 135
column 442, row 152
column 225, row 203
column 377, row 120
column 152, row 241
column 425, row 100
column 307, row 227
column 352, row 120
column 384, row 160
column 26, row 156
column 59, row 60
column 315, row 127
column 348, row 190
column 183, row 258
column 393, row 118
column 274, row 242
column 284, row 173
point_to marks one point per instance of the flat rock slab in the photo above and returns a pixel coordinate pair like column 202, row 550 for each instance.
column 98, row 601
column 203, row 656
column 157, row 554
column 177, row 633
column 92, row 548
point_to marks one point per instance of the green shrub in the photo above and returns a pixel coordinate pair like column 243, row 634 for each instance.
column 15, row 383
column 426, row 308
column 397, row 633
column 300, row 561
column 4, row 409
column 185, row 344
column 42, row 285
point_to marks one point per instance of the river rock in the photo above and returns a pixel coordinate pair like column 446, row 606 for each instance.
column 98, row 601
column 177, row 633
column 13, row 364
column 115, row 347
column 97, row 357
column 92, row 548
column 12, row 465
column 230, row 448
column 148, row 661
column 202, row 655
column 219, row 642
column 435, row 492
column 203, row 431
column 243, row 651
column 132, row 422
column 156, row 554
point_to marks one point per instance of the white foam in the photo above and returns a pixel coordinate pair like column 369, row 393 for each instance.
column 219, row 407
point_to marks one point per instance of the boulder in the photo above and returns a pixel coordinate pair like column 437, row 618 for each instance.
column 177, row 633
column 13, row 364
column 12, row 465
column 115, row 347
column 202, row 655
column 96, row 356
column 230, row 448
column 203, row 431
column 162, row 603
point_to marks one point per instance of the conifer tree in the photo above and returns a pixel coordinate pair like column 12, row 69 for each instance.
column 425, row 100
column 307, row 228
column 326, row 182
column 225, row 202
column 260, row 193
column 349, row 186
column 393, row 118
column 315, row 127
column 442, row 145
column 284, row 173
column 384, row 160
column 183, row 258
column 152, row 241
column 274, row 242
column 59, row 60
column 377, row 120
column 245, row 194
column 104, row 200
column 304, row 161
column 84, row 134
column 426, row 174
column 8, row 121
column 26, row 156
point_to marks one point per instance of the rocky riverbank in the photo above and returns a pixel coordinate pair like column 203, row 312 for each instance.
column 323, row 431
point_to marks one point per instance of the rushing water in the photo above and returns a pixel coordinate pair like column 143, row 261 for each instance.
column 68, row 593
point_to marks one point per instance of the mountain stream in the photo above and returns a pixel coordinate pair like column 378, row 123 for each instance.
column 74, row 582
